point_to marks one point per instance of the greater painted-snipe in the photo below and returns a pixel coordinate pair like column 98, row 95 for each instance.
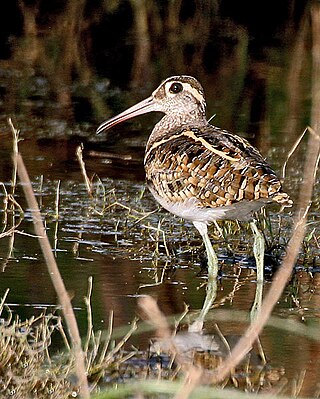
column 198, row 171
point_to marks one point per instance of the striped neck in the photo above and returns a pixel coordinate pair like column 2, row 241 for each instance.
column 172, row 123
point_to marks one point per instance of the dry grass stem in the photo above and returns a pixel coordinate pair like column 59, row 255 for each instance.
column 156, row 239
column 57, row 201
column 87, row 301
column 10, row 204
column 3, row 300
column 120, row 344
column 108, row 338
column 291, row 152
column 83, row 170
column 55, row 277
column 15, row 141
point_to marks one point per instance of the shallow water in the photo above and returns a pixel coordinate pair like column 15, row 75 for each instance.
column 133, row 248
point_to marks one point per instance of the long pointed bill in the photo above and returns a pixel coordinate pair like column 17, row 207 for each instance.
column 142, row 107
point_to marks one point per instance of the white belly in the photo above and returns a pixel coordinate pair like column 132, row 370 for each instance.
column 191, row 209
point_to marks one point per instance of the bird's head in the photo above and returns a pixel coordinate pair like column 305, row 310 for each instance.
column 179, row 97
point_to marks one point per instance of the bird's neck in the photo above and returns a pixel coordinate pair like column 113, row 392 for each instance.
column 173, row 123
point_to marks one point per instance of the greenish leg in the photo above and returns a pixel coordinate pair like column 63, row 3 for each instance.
column 213, row 268
column 258, row 251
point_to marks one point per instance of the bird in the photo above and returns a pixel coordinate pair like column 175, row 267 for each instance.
column 201, row 172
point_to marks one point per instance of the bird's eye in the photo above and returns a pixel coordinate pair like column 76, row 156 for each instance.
column 176, row 88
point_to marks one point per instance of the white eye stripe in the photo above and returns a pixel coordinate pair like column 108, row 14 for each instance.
column 198, row 96
column 187, row 87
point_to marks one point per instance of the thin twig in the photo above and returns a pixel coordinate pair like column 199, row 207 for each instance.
column 3, row 300
column 294, row 147
column 121, row 343
column 83, row 169
column 87, row 301
column 55, row 277
column 107, row 338
column 57, row 201
column 16, row 140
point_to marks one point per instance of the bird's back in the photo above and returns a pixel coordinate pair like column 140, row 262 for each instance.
column 213, row 166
